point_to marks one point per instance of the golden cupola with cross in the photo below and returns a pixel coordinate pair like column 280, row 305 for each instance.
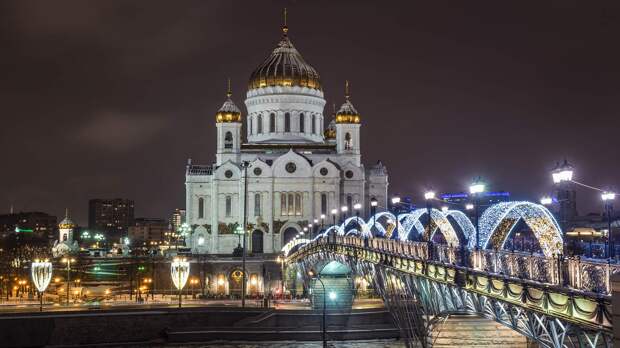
column 229, row 112
column 347, row 112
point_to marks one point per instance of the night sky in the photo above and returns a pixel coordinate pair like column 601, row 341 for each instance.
column 109, row 98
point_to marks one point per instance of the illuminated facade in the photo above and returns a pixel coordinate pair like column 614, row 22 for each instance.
column 296, row 169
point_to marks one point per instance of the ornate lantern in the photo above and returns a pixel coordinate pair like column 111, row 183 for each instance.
column 179, row 271
column 41, row 276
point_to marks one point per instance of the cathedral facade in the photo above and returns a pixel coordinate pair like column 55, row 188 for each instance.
column 277, row 167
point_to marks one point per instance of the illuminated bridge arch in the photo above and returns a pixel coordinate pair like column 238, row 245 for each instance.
column 463, row 222
column 375, row 222
column 286, row 249
column 354, row 221
column 410, row 223
column 499, row 220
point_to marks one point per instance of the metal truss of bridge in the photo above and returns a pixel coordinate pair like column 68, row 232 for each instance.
column 556, row 301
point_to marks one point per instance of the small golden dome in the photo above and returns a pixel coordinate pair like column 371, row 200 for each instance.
column 347, row 112
column 330, row 131
column 66, row 223
column 229, row 112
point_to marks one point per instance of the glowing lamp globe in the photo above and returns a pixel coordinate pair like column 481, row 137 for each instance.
column 41, row 274
column 608, row 196
column 429, row 195
column 546, row 200
column 179, row 271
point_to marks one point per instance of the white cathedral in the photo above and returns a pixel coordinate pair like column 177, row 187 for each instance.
column 297, row 171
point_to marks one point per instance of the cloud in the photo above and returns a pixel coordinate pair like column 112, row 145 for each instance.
column 120, row 131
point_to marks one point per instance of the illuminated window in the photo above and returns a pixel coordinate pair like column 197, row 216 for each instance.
column 283, row 204
column 201, row 208
column 228, row 140
column 291, row 204
column 228, row 206
column 287, row 122
column 272, row 123
column 259, row 120
column 298, row 204
column 257, row 204
column 313, row 124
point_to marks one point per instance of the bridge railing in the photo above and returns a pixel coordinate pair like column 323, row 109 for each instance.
column 579, row 274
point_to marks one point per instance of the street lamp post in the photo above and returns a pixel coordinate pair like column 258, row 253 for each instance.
column 41, row 276
column 357, row 207
column 429, row 196
column 179, row 272
column 344, row 209
column 246, row 164
column 322, row 221
column 316, row 276
column 395, row 202
column 607, row 198
column 334, row 213
column 476, row 188
column 373, row 210
column 68, row 261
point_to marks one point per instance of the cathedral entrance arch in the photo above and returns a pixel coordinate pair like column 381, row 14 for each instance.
column 257, row 242
column 235, row 281
column 288, row 234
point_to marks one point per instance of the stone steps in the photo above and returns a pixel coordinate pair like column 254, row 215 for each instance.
column 470, row 331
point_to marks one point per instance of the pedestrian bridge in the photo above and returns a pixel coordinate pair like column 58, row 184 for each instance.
column 556, row 301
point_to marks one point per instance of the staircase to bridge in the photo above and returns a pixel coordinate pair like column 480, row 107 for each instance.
column 552, row 301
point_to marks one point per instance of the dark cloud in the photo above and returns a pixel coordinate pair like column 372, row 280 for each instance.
column 110, row 98
column 120, row 132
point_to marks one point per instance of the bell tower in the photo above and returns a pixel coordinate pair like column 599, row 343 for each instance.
column 348, row 123
column 228, row 124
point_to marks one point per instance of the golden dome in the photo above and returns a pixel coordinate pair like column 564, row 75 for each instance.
column 330, row 131
column 285, row 67
column 229, row 112
column 347, row 112
column 66, row 223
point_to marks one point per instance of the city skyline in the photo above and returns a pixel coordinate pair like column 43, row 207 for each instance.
column 110, row 100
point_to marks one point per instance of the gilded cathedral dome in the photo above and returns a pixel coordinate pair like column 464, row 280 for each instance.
column 285, row 67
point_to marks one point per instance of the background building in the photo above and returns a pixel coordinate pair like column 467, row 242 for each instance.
column 146, row 231
column 111, row 217
column 40, row 224
column 177, row 218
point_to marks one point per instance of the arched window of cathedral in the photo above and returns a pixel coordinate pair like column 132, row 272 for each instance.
column 228, row 206
column 348, row 143
column 287, row 122
column 313, row 124
column 298, row 204
column 228, row 140
column 302, row 123
column 257, row 204
column 350, row 202
column 250, row 126
column 291, row 204
column 259, row 126
column 323, row 203
column 272, row 123
column 283, row 204
column 201, row 208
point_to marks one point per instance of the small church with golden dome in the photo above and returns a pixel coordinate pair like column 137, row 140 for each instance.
column 277, row 166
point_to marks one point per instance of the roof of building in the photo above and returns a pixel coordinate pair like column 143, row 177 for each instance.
column 285, row 67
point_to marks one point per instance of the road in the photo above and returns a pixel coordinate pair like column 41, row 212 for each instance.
column 33, row 306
